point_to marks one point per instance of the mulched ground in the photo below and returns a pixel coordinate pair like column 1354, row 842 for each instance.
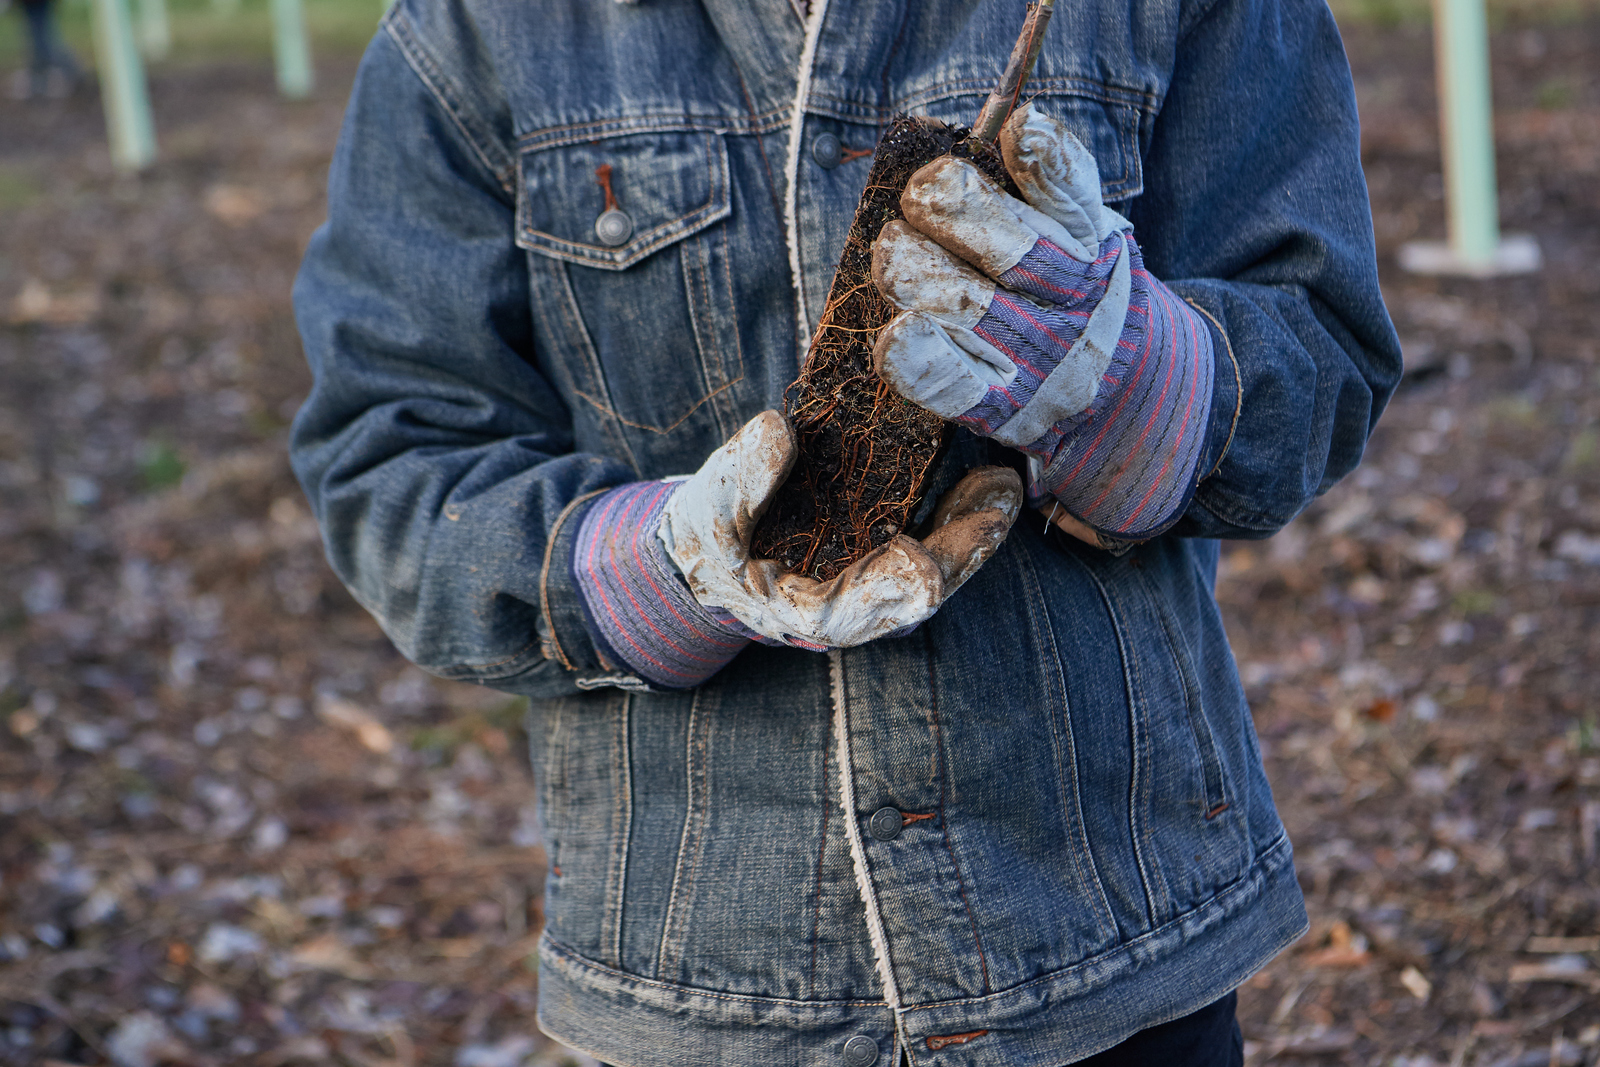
column 236, row 828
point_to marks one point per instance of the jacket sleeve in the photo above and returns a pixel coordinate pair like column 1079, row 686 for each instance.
column 438, row 460
column 1255, row 211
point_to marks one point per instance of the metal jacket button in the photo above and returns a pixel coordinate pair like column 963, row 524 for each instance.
column 613, row 227
column 860, row 1051
column 885, row 824
column 827, row 151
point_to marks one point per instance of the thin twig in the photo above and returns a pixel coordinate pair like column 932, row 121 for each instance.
column 1023, row 56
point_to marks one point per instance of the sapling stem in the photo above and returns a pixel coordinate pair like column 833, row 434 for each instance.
column 1023, row 56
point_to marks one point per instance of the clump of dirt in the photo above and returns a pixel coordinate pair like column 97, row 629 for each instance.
column 865, row 453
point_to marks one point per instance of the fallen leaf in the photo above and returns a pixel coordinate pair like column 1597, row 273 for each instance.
column 1344, row 949
column 1381, row 710
column 348, row 715
column 1416, row 984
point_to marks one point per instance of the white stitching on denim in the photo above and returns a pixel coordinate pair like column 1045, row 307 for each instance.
column 852, row 829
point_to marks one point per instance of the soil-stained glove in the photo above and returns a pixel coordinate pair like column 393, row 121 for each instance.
column 1036, row 324
column 634, row 542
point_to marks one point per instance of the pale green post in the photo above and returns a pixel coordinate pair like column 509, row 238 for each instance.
column 1466, row 120
column 290, row 49
column 155, row 33
column 1462, row 54
column 122, row 87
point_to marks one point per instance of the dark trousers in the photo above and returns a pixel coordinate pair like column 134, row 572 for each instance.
column 1208, row 1038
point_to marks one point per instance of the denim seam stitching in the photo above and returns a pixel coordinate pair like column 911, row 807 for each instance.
column 1265, row 863
column 544, row 575
column 738, row 341
column 1238, row 387
column 576, row 959
column 1086, row 866
column 822, row 855
column 577, row 327
column 691, row 842
column 944, row 821
column 433, row 79
column 1189, row 679
column 621, row 830
column 1138, row 710
column 573, row 133
column 1130, row 688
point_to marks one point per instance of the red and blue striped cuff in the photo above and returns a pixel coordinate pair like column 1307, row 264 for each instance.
column 638, row 610
column 1129, row 469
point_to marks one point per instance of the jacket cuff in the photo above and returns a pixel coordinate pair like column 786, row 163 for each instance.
column 1227, row 396
column 562, row 632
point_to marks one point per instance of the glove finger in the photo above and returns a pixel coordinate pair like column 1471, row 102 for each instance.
column 962, row 209
column 923, row 362
column 707, row 524
column 1056, row 173
column 915, row 273
column 972, row 521
column 895, row 586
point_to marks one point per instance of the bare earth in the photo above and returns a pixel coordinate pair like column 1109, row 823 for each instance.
column 237, row 828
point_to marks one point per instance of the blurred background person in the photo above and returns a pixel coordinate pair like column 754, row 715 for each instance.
column 52, row 71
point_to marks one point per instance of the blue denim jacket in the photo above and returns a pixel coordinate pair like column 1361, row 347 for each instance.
column 1017, row 835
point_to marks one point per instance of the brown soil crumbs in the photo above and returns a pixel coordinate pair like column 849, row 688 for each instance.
column 864, row 452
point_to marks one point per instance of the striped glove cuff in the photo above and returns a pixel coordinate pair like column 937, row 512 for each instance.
column 638, row 610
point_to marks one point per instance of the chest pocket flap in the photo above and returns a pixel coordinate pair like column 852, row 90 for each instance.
column 667, row 185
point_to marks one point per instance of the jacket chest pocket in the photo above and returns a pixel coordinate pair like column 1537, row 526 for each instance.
column 632, row 286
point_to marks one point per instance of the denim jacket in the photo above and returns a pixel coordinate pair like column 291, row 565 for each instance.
column 1039, row 822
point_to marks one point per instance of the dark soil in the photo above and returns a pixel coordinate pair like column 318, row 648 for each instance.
column 864, row 452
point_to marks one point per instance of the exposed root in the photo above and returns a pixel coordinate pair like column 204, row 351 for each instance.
column 864, row 452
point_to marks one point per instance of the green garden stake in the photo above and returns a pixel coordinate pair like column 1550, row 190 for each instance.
column 155, row 34
column 290, row 50
column 1466, row 120
column 122, row 87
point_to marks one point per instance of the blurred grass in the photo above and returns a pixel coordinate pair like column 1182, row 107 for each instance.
column 1393, row 13
column 210, row 30
column 17, row 188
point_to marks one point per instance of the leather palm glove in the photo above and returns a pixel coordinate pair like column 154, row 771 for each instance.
column 671, row 591
column 1036, row 324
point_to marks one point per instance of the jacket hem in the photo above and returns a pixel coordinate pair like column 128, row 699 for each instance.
column 1060, row 1017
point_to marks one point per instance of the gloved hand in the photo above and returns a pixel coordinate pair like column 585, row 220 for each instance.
column 1036, row 324
column 635, row 541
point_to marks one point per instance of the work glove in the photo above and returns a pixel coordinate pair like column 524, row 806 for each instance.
column 1036, row 324
column 670, row 589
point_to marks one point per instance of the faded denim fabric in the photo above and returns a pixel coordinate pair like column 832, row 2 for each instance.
column 1086, row 844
